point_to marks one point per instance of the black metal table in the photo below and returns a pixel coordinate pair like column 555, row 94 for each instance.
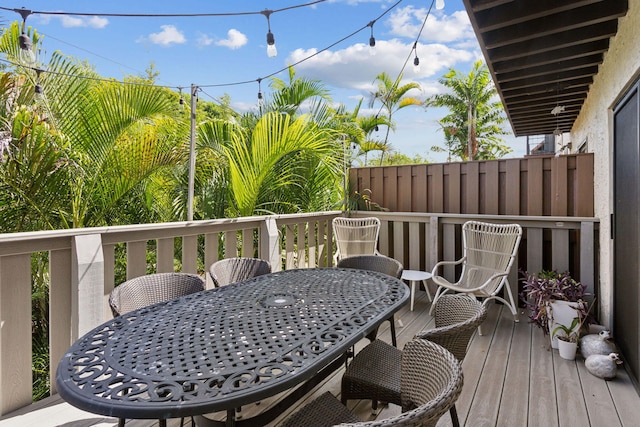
column 227, row 347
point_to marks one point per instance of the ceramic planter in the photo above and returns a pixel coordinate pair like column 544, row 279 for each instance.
column 567, row 349
column 563, row 313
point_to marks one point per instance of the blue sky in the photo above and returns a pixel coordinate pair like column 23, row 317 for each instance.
column 218, row 52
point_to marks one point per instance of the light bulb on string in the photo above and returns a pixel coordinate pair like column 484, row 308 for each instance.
column 181, row 98
column 271, row 40
column 416, row 60
column 372, row 40
column 260, row 100
column 439, row 4
column 26, row 54
column 37, row 88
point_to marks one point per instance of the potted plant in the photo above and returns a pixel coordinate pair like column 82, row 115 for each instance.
column 554, row 299
column 568, row 338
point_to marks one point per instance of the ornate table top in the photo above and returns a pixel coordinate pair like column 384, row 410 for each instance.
column 225, row 347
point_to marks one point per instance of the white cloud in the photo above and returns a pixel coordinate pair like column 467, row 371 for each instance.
column 204, row 40
column 83, row 21
column 354, row 68
column 168, row 36
column 235, row 40
column 407, row 21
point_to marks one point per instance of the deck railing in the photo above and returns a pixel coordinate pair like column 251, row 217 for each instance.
column 82, row 265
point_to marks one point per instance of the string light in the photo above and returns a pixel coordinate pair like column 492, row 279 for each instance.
column 26, row 48
column 272, row 52
column 181, row 98
column 259, row 93
column 37, row 88
column 439, row 4
column 416, row 60
column 372, row 40
column 27, row 13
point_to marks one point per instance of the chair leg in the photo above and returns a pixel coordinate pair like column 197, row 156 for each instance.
column 436, row 297
column 454, row 416
column 512, row 304
column 393, row 331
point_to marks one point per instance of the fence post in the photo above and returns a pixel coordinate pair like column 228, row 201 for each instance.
column 270, row 243
column 87, row 271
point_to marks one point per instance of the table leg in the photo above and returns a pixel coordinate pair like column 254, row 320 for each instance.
column 162, row 423
column 231, row 417
column 426, row 288
column 413, row 292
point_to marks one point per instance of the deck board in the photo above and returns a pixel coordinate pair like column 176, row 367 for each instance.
column 512, row 377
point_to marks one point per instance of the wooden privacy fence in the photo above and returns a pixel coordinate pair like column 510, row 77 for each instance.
column 533, row 186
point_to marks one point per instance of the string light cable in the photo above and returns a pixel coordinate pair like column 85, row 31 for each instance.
column 228, row 84
column 439, row 5
column 24, row 11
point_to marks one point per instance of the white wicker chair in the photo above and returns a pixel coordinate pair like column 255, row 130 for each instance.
column 356, row 236
column 489, row 253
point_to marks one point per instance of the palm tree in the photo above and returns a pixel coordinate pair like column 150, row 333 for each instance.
column 89, row 142
column 393, row 98
column 475, row 120
column 280, row 160
column 283, row 165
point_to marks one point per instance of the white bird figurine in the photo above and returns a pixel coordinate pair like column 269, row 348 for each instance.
column 597, row 344
column 603, row 366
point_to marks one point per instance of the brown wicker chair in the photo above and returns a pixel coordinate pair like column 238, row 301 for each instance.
column 231, row 270
column 381, row 264
column 151, row 289
column 431, row 381
column 374, row 373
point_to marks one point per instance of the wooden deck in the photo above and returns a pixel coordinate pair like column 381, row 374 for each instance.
column 512, row 378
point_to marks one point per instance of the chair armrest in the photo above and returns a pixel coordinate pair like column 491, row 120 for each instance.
column 439, row 264
column 486, row 283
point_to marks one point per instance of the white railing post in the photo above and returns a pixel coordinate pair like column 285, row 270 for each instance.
column 15, row 332
column 87, row 284
column 270, row 243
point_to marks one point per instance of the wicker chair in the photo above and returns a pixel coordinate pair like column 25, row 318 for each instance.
column 231, row 270
column 374, row 372
column 356, row 236
column 381, row 264
column 431, row 381
column 489, row 253
column 151, row 289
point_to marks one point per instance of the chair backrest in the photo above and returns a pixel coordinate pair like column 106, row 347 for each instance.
column 151, row 289
column 231, row 270
column 430, row 384
column 457, row 317
column 488, row 249
column 356, row 236
column 379, row 263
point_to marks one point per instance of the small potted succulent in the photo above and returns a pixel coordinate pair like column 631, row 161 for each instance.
column 554, row 299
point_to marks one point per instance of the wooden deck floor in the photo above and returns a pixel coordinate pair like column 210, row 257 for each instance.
column 512, row 378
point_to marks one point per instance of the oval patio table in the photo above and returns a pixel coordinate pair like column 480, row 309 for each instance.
column 223, row 348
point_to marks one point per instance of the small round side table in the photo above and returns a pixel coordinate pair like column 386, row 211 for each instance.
column 414, row 276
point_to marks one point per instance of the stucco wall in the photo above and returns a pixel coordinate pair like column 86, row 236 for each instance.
column 620, row 69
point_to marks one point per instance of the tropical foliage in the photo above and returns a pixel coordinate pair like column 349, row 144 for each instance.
column 473, row 126
column 393, row 96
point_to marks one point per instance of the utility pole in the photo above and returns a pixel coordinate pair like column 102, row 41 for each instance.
column 192, row 154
